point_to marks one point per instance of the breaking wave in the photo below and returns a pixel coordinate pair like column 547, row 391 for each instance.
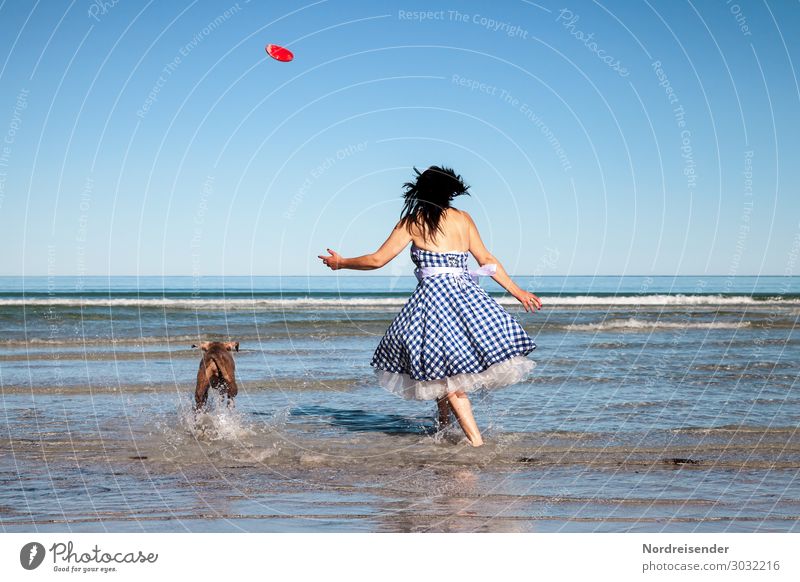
column 385, row 302
column 635, row 324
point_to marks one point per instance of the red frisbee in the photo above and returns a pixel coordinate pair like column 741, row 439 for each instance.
column 279, row 53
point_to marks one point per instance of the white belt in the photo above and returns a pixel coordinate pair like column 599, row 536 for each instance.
column 484, row 271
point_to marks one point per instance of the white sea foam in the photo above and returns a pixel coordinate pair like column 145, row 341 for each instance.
column 388, row 302
column 635, row 324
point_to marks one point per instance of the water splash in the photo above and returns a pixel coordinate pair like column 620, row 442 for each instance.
column 216, row 421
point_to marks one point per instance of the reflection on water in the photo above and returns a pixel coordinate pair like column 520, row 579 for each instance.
column 364, row 421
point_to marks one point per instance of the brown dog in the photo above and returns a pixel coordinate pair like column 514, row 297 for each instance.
column 216, row 371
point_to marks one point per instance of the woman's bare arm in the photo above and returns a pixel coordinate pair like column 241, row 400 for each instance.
column 396, row 242
column 529, row 301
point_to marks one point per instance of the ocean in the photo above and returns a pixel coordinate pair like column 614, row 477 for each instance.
column 657, row 404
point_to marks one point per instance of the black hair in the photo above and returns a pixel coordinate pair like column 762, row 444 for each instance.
column 428, row 197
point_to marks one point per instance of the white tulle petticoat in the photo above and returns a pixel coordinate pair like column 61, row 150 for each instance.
column 497, row 375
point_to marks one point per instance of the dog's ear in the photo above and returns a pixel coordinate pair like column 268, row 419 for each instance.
column 232, row 346
column 203, row 346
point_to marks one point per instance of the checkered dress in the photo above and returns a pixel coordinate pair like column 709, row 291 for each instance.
column 450, row 327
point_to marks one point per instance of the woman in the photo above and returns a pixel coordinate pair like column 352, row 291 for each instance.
column 451, row 338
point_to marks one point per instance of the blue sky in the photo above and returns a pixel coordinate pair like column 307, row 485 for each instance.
column 598, row 138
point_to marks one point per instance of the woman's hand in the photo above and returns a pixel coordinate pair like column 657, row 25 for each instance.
column 334, row 260
column 529, row 301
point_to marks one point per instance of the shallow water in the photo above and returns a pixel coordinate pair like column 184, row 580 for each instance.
column 648, row 411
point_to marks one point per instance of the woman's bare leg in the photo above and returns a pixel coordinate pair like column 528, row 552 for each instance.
column 463, row 411
column 444, row 413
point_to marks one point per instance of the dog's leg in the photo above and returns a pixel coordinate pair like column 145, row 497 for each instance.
column 201, row 390
column 231, row 393
column 227, row 369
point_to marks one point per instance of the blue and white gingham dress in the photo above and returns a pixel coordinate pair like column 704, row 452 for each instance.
column 450, row 336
